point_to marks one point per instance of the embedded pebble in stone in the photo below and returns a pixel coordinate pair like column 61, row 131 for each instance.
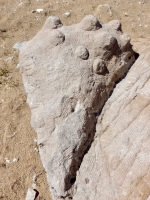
column 90, row 23
column 99, row 67
column 57, row 37
column 53, row 23
column 82, row 52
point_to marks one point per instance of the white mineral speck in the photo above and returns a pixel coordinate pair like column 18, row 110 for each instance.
column 7, row 160
column 39, row 10
column 67, row 14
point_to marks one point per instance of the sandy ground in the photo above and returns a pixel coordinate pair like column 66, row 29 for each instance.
column 19, row 160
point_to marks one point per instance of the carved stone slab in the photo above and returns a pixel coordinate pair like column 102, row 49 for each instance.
column 68, row 73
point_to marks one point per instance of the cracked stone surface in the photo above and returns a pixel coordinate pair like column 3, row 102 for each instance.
column 117, row 165
column 68, row 73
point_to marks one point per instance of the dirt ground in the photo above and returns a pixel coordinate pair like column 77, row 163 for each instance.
column 20, row 164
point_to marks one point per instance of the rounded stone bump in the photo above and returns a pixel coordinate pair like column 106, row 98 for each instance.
column 110, row 41
column 99, row 66
column 125, row 40
column 57, row 37
column 82, row 52
column 53, row 22
column 90, row 23
column 125, row 37
column 115, row 24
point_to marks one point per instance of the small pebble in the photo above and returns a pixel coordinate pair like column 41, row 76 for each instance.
column 16, row 159
column 36, row 149
column 31, row 194
column 39, row 10
column 7, row 160
column 9, row 77
column 67, row 14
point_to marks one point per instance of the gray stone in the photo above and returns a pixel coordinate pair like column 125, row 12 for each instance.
column 117, row 164
column 31, row 194
column 18, row 45
column 68, row 73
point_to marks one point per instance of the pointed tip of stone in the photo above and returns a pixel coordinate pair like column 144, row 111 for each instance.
column 53, row 22
column 90, row 23
column 115, row 24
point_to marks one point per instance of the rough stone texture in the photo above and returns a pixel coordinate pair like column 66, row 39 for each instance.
column 117, row 165
column 69, row 73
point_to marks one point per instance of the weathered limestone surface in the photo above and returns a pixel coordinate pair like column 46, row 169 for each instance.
column 117, row 166
column 69, row 73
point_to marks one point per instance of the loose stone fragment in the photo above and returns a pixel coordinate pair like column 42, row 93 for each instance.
column 31, row 194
